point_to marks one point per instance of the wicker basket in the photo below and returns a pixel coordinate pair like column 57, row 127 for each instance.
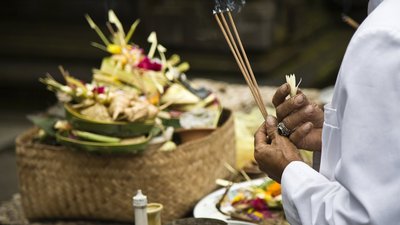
column 56, row 182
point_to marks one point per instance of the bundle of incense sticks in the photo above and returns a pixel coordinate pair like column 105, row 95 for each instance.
column 240, row 56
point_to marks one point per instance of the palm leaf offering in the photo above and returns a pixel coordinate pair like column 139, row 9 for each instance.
column 133, row 98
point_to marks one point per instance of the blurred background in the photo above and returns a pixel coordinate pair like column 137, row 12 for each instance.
column 305, row 37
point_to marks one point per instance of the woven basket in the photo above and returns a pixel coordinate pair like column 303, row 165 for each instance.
column 56, row 182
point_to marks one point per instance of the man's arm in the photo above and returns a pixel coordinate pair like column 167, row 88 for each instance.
column 365, row 184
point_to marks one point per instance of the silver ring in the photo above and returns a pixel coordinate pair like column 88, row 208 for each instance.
column 283, row 130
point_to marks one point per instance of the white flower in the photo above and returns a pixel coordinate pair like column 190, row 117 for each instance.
column 63, row 97
column 102, row 98
column 62, row 125
column 291, row 80
column 79, row 92
column 89, row 86
column 66, row 89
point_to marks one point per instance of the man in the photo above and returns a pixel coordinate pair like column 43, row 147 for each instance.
column 359, row 179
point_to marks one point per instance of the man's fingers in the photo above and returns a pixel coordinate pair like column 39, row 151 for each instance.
column 307, row 137
column 301, row 132
column 261, row 136
column 271, row 127
column 316, row 137
column 309, row 113
column 318, row 116
column 291, row 105
column 280, row 95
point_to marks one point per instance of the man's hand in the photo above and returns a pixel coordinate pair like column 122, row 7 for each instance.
column 272, row 151
column 303, row 118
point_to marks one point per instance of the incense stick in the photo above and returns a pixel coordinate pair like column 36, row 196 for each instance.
column 235, row 52
column 241, row 67
column 246, row 59
column 350, row 21
column 244, row 68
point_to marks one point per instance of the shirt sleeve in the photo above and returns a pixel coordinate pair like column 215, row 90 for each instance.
column 366, row 181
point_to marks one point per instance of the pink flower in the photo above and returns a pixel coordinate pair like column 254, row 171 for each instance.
column 175, row 114
column 258, row 204
column 99, row 90
column 137, row 49
column 147, row 64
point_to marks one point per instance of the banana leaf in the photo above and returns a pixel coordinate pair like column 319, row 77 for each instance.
column 44, row 122
column 145, row 83
column 129, row 146
column 178, row 94
column 115, row 129
column 171, row 123
column 95, row 137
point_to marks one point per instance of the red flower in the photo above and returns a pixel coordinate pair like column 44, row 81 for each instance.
column 147, row 64
column 258, row 204
column 99, row 90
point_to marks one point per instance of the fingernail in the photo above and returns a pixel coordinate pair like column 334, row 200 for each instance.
column 307, row 127
column 284, row 88
column 270, row 121
column 309, row 109
column 299, row 99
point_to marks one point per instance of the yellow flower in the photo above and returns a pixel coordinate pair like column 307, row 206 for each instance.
column 238, row 197
column 258, row 214
column 268, row 197
column 114, row 49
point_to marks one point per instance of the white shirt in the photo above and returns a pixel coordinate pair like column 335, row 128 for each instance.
column 359, row 179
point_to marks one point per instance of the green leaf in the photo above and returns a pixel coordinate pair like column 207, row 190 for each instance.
column 44, row 122
column 115, row 129
column 133, row 145
column 95, row 137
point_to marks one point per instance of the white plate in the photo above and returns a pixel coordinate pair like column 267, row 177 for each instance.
column 206, row 208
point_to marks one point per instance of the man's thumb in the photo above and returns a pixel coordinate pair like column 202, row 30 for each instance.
column 271, row 126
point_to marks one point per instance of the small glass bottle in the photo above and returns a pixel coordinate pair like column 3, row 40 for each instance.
column 140, row 206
